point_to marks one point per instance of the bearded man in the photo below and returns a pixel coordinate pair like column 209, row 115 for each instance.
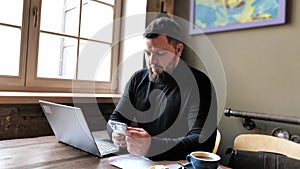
column 168, row 101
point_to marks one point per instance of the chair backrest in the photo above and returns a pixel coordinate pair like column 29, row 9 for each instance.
column 259, row 142
column 217, row 143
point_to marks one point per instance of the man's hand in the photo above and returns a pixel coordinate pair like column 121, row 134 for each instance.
column 119, row 139
column 138, row 141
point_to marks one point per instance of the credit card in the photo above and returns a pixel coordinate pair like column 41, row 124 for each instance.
column 118, row 127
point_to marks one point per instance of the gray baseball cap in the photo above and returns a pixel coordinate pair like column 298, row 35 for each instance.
column 164, row 26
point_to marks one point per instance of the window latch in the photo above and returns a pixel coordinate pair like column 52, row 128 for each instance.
column 36, row 17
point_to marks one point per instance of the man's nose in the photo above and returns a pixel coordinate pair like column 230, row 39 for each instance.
column 153, row 59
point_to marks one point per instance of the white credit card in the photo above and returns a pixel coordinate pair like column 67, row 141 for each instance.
column 118, row 127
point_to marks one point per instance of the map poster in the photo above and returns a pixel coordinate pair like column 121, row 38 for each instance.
column 222, row 15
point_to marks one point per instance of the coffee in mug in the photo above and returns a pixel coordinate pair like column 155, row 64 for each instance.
column 203, row 160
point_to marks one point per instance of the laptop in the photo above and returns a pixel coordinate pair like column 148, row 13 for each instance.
column 70, row 127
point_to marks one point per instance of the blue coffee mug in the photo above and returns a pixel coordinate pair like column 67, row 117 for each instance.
column 203, row 160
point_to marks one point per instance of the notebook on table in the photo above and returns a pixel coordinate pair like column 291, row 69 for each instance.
column 70, row 127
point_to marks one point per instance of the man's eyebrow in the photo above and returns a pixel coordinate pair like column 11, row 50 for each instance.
column 156, row 49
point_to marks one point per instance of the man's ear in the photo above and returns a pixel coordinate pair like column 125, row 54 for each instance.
column 179, row 49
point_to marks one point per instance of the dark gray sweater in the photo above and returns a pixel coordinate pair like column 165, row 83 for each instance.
column 173, row 112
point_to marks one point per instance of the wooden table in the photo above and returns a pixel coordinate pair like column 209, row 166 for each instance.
column 46, row 152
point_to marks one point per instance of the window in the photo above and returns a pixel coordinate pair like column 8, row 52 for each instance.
column 59, row 45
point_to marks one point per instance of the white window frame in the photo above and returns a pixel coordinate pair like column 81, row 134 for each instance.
column 29, row 82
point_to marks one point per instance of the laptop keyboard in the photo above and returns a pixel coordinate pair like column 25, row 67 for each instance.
column 106, row 147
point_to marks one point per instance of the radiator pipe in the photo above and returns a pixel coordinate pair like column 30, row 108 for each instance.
column 260, row 116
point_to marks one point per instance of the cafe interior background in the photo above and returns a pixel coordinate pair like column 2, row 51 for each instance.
column 261, row 66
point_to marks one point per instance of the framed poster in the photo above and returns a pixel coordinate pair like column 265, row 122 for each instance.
column 208, row 16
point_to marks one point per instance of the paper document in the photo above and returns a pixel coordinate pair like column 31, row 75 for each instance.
column 129, row 161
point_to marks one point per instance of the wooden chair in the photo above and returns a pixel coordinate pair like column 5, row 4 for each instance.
column 217, row 143
column 259, row 142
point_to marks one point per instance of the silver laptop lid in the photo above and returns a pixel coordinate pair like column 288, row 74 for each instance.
column 69, row 126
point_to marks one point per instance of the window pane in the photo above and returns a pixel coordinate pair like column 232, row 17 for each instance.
column 97, row 17
column 60, row 16
column 10, row 50
column 57, row 57
column 94, row 61
column 112, row 2
column 11, row 12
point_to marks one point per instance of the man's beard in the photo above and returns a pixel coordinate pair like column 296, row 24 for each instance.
column 158, row 77
column 164, row 76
